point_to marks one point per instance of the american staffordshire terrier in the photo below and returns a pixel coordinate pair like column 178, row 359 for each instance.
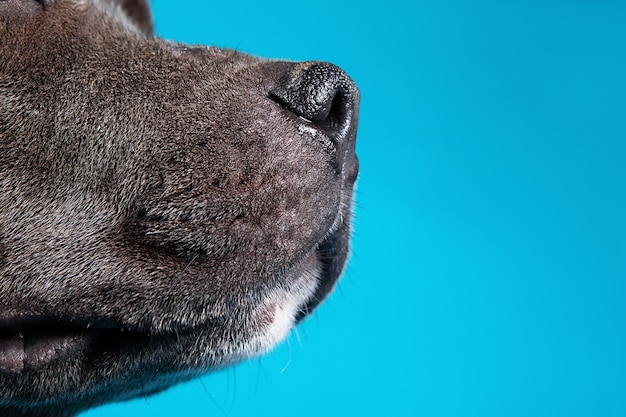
column 165, row 209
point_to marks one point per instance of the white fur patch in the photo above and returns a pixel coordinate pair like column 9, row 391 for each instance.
column 276, row 316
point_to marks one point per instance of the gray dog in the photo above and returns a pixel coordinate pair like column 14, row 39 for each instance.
column 165, row 210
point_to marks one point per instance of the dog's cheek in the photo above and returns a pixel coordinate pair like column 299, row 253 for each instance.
column 16, row 9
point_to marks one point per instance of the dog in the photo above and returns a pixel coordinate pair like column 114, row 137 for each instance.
column 165, row 210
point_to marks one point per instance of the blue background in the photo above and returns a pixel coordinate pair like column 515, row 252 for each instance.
column 488, row 275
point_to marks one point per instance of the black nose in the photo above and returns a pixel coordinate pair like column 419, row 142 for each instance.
column 325, row 96
column 319, row 92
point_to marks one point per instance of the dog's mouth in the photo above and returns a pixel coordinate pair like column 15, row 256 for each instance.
column 331, row 254
column 31, row 342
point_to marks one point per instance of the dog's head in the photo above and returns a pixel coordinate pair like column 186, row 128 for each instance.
column 165, row 210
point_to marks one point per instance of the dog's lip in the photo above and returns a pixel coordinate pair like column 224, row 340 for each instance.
column 331, row 253
column 30, row 341
column 21, row 351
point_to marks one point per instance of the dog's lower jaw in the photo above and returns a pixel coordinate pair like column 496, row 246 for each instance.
column 278, row 313
column 267, row 323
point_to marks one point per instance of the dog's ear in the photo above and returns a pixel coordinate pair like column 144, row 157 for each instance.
column 139, row 13
column 21, row 8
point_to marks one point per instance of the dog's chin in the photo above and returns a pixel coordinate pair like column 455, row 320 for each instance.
column 33, row 347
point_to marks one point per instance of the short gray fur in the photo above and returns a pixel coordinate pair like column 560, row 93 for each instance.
column 158, row 201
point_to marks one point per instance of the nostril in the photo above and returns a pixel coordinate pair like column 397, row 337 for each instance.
column 337, row 110
column 319, row 92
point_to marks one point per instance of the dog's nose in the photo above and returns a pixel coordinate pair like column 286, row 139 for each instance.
column 321, row 93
